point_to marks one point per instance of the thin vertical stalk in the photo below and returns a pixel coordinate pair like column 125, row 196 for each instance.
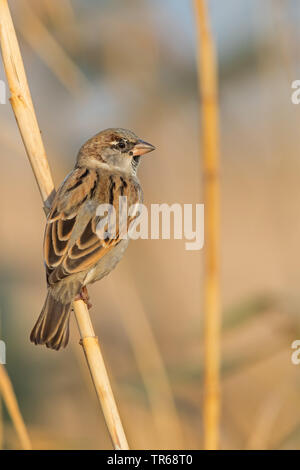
column 25, row 115
column 9, row 398
column 207, row 79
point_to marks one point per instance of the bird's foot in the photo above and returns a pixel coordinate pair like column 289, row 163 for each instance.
column 84, row 295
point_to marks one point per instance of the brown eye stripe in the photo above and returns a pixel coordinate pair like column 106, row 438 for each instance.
column 128, row 147
column 121, row 144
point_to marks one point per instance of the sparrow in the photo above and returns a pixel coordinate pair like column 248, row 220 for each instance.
column 74, row 253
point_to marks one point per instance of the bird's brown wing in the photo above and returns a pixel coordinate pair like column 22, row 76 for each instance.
column 65, row 255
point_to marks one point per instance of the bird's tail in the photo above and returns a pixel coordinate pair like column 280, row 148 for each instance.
column 52, row 326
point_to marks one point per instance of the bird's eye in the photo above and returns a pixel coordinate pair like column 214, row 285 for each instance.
column 121, row 144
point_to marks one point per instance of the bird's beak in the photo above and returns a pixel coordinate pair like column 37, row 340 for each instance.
column 141, row 148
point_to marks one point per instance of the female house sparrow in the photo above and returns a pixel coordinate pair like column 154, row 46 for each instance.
column 74, row 254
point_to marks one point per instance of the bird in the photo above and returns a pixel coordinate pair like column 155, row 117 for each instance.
column 74, row 253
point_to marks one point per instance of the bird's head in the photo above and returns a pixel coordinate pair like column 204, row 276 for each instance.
column 118, row 149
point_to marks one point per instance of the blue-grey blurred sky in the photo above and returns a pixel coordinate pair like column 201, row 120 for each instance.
column 235, row 22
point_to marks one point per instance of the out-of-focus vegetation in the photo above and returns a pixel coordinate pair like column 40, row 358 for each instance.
column 97, row 64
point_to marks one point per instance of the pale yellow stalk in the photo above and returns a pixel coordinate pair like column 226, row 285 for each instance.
column 208, row 89
column 9, row 398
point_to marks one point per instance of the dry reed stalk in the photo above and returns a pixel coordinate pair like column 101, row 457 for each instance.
column 10, row 400
column 25, row 115
column 207, row 79
column 51, row 52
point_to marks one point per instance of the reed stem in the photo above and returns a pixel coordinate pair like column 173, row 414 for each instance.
column 9, row 398
column 208, row 89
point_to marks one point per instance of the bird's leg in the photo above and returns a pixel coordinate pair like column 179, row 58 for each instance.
column 84, row 295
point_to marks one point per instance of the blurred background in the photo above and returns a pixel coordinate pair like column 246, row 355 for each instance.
column 98, row 64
